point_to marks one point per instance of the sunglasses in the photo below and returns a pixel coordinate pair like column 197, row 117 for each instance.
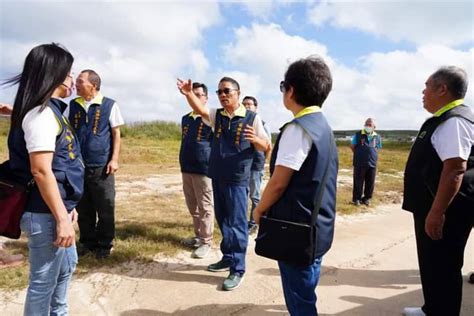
column 283, row 86
column 225, row 91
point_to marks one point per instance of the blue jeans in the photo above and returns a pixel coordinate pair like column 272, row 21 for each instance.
column 299, row 285
column 230, row 207
column 51, row 268
column 254, row 188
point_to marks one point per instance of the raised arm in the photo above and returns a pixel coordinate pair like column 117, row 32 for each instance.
column 186, row 88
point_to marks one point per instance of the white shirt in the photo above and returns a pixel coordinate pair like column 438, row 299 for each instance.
column 257, row 123
column 294, row 147
column 115, row 118
column 453, row 139
column 41, row 129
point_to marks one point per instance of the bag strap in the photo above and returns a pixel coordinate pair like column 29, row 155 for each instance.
column 322, row 187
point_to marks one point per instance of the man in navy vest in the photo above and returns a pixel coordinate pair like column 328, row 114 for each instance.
column 197, row 187
column 439, row 191
column 237, row 134
column 365, row 145
column 96, row 120
column 258, row 165
column 304, row 157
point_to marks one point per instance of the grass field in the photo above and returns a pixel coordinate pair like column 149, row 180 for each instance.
column 149, row 224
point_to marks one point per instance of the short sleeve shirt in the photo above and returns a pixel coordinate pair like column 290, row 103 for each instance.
column 40, row 129
column 294, row 147
column 115, row 118
column 453, row 138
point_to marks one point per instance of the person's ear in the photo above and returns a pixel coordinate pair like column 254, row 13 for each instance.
column 442, row 89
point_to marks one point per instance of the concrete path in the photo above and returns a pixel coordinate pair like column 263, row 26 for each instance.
column 371, row 270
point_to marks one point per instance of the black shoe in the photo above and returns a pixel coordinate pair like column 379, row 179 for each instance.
column 366, row 202
column 84, row 251
column 219, row 266
column 102, row 253
column 356, row 202
column 471, row 278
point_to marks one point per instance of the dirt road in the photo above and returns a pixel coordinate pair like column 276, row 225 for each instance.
column 371, row 270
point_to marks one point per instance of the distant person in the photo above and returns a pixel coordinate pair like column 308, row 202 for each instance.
column 304, row 155
column 96, row 120
column 237, row 134
column 365, row 145
column 258, row 165
column 197, row 187
column 42, row 146
column 439, row 191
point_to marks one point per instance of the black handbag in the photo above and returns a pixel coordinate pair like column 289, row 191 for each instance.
column 287, row 241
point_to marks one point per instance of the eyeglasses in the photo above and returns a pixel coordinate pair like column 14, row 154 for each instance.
column 200, row 95
column 283, row 86
column 225, row 91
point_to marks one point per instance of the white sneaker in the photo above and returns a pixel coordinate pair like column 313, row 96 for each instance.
column 201, row 251
column 413, row 311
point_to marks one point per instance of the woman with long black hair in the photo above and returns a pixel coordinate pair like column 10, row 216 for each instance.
column 43, row 147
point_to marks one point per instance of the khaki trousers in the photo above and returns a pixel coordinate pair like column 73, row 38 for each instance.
column 197, row 190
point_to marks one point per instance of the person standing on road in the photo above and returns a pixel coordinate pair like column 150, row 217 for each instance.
column 439, row 191
column 43, row 147
column 258, row 165
column 197, row 187
column 96, row 120
column 365, row 145
column 237, row 134
column 304, row 156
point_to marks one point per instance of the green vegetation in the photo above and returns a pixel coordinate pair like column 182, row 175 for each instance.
column 149, row 224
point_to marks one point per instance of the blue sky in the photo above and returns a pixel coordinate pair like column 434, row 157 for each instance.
column 380, row 52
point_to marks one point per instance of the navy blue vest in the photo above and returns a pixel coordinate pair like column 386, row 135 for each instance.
column 195, row 145
column 258, row 163
column 365, row 152
column 93, row 130
column 297, row 202
column 67, row 163
column 423, row 169
column 231, row 155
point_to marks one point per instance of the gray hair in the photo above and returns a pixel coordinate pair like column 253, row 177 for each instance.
column 454, row 78
column 93, row 77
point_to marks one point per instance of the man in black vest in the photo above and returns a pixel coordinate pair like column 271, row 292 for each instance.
column 96, row 120
column 439, row 191
column 258, row 165
column 365, row 145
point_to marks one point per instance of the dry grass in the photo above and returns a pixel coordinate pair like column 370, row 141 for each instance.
column 149, row 223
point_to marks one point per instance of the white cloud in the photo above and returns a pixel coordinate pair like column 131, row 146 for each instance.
column 138, row 48
column 383, row 85
column 420, row 22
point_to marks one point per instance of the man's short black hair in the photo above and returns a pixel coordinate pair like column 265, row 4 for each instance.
column 311, row 80
column 248, row 97
column 197, row 85
column 232, row 81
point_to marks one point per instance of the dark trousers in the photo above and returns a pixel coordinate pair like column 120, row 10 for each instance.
column 440, row 261
column 230, row 207
column 364, row 180
column 98, row 201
